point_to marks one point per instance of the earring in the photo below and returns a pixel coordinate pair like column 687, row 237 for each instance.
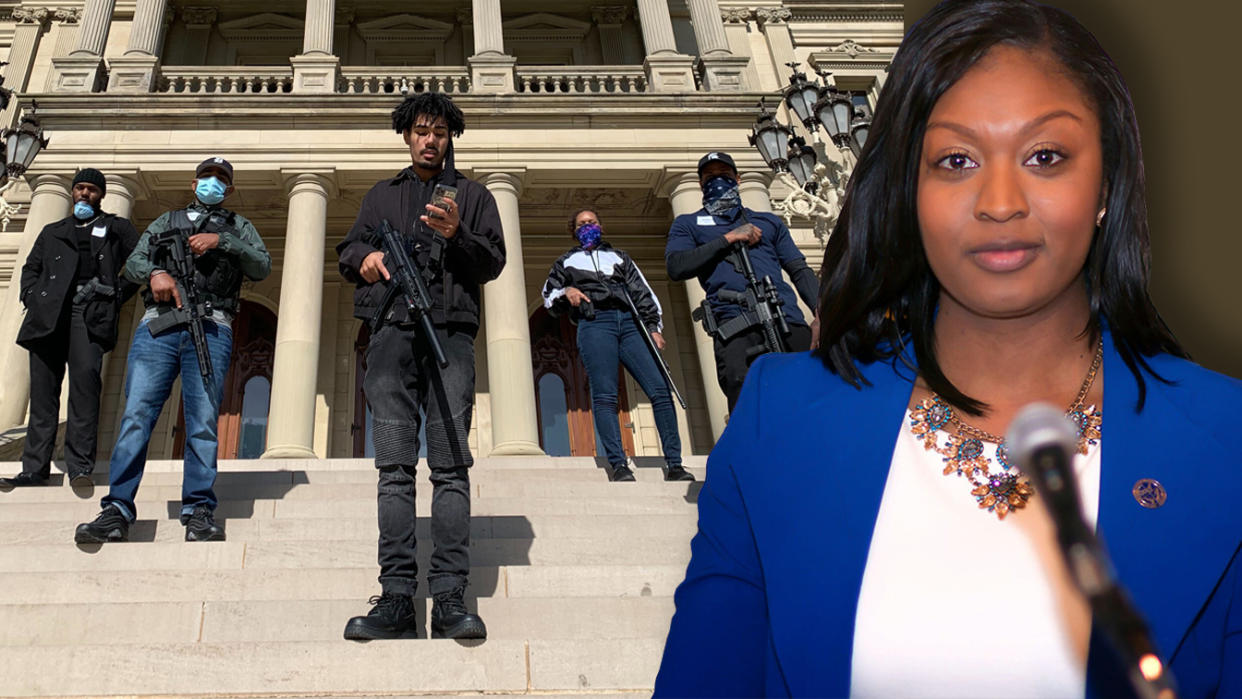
column 1099, row 218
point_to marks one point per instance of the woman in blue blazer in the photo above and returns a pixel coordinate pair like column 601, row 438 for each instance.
column 992, row 251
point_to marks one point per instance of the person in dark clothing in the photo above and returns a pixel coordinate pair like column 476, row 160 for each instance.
column 226, row 249
column 701, row 245
column 72, row 291
column 457, row 246
column 588, row 282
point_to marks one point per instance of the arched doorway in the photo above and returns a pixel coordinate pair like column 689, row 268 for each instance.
column 562, row 393
column 242, row 429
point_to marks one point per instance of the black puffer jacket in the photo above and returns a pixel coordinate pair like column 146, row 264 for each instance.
column 599, row 273
column 453, row 268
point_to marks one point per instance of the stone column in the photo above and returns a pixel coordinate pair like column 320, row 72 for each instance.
column 774, row 23
column 49, row 202
column 137, row 70
column 667, row 70
column 737, row 23
column 82, row 69
column 687, row 197
column 609, row 18
column 722, row 71
column 491, row 70
column 26, row 37
column 511, row 379
column 199, row 22
column 316, row 69
column 291, row 420
column 754, row 191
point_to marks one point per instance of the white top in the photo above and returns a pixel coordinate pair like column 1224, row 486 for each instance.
column 954, row 602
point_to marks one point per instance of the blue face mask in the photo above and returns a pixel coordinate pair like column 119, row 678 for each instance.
column 721, row 196
column 83, row 211
column 589, row 235
column 210, row 190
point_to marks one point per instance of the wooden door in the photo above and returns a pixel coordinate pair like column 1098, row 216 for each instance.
column 242, row 429
column 558, row 364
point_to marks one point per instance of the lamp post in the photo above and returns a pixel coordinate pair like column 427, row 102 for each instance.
column 817, row 182
column 19, row 147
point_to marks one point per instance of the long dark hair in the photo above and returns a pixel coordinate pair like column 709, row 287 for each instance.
column 877, row 290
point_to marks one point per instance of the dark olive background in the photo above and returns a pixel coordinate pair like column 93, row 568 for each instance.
column 1181, row 62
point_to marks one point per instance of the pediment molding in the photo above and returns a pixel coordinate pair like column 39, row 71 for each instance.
column 405, row 27
column 265, row 26
column 545, row 26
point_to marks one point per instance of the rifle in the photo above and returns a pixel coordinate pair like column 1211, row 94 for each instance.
column 760, row 298
column 651, row 346
column 407, row 280
column 179, row 259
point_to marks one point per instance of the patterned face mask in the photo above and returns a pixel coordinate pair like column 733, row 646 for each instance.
column 588, row 235
column 721, row 196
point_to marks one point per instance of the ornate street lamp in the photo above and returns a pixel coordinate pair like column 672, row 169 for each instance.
column 801, row 96
column 771, row 139
column 19, row 148
column 833, row 110
column 859, row 128
column 802, row 160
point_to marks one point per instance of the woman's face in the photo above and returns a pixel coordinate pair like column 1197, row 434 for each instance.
column 1010, row 183
column 584, row 218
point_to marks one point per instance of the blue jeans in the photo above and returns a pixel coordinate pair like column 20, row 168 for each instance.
column 154, row 363
column 611, row 338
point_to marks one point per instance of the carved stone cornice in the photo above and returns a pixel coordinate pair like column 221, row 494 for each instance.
column 199, row 16
column 737, row 15
column 609, row 14
column 68, row 15
column 773, row 15
column 850, row 48
column 31, row 15
column 345, row 14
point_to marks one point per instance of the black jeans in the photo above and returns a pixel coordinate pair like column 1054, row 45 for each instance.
column 402, row 378
column 733, row 358
column 68, row 344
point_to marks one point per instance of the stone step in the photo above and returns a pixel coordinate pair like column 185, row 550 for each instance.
column 312, row 583
column 331, row 667
column 75, row 511
column 486, row 463
column 232, row 621
column 225, row 555
column 365, row 529
column 511, row 488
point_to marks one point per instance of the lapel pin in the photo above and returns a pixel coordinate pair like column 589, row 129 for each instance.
column 1149, row 493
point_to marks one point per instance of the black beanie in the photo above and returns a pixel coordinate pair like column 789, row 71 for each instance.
column 92, row 176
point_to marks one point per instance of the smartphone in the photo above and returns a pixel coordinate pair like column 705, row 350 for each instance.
column 439, row 196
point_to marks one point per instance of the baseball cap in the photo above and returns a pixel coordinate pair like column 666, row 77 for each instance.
column 716, row 156
column 216, row 162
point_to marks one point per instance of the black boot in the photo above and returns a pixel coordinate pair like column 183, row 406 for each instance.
column 391, row 617
column 675, row 472
column 80, row 479
column 22, row 480
column 450, row 619
column 620, row 473
column 110, row 525
column 201, row 525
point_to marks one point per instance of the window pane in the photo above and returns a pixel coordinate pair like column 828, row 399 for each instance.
column 256, row 395
column 554, row 415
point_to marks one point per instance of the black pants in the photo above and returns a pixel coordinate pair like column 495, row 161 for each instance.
column 68, row 345
column 733, row 358
column 402, row 378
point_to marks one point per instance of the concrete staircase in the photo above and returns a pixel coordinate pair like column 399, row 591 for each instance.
column 573, row 575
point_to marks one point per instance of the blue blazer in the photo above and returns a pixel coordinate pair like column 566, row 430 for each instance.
column 793, row 490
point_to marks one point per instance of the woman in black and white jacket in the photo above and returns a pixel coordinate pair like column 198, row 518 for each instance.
column 591, row 282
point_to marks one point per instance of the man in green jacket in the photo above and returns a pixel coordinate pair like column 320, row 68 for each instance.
column 225, row 248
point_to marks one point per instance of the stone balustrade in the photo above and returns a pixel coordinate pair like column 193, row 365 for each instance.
column 580, row 80
column 219, row 80
column 379, row 81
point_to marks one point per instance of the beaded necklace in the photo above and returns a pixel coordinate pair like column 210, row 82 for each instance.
column 1005, row 491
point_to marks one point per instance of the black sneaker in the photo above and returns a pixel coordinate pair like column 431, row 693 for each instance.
column 677, row 473
column 391, row 617
column 110, row 525
column 450, row 619
column 201, row 526
column 620, row 473
column 22, row 480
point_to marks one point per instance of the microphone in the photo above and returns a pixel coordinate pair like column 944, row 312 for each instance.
column 1042, row 442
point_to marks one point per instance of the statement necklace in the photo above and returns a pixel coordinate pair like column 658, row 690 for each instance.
column 1004, row 491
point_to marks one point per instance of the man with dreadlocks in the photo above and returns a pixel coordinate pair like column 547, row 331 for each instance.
column 457, row 246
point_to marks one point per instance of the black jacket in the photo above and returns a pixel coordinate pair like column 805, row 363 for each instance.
column 599, row 273
column 48, row 275
column 453, row 268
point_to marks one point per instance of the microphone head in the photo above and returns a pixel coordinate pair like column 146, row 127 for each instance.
column 1037, row 427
